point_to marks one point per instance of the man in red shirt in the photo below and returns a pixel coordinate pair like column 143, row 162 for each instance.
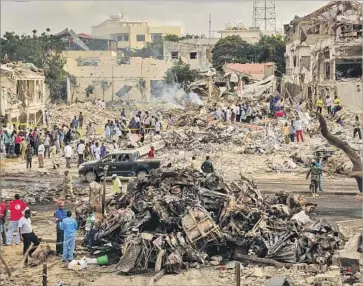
column 16, row 208
column 2, row 220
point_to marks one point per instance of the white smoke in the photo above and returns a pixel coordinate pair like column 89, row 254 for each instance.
column 176, row 95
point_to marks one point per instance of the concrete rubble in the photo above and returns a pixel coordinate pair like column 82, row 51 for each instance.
column 179, row 218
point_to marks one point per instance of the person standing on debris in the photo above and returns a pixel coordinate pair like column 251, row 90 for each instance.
column 336, row 105
column 328, row 103
column 299, row 130
column 292, row 131
column 41, row 150
column 74, row 123
column 123, row 113
column 53, row 156
column 194, row 163
column 89, row 225
column 108, row 131
column 116, row 184
column 3, row 212
column 35, row 137
column 69, row 225
column 97, row 152
column 103, row 150
column 207, row 166
column 27, row 235
column 7, row 141
column 66, row 186
column 80, row 152
column 314, row 178
column 16, row 208
column 357, row 128
column 151, row 153
column 68, row 155
column 80, row 120
column 90, row 130
column 157, row 126
column 23, row 147
column 319, row 105
column 60, row 214
column 29, row 156
column 286, row 133
column 47, row 145
column 12, row 143
column 18, row 139
column 320, row 168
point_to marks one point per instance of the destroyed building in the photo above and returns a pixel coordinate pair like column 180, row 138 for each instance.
column 85, row 42
column 324, row 54
column 23, row 93
column 195, row 52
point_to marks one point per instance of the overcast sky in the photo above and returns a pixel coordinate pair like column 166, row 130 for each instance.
column 23, row 17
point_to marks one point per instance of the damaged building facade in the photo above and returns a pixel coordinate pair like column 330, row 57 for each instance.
column 324, row 54
column 195, row 52
column 23, row 93
column 104, row 76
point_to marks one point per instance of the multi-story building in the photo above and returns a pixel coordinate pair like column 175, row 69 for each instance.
column 132, row 34
column 324, row 54
column 23, row 93
column 195, row 52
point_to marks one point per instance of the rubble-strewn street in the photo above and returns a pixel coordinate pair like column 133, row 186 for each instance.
column 141, row 155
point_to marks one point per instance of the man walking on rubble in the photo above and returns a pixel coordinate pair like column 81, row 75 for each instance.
column 80, row 152
column 27, row 234
column 69, row 225
column 207, row 166
column 314, row 178
column 60, row 214
column 299, row 130
column 194, row 163
column 41, row 150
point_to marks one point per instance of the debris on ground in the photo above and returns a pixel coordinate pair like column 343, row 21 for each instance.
column 180, row 218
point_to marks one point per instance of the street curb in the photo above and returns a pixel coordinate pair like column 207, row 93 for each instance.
column 321, row 194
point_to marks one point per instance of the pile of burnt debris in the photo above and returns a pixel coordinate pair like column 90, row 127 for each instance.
column 179, row 218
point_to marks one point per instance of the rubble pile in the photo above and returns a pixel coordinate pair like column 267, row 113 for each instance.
column 177, row 218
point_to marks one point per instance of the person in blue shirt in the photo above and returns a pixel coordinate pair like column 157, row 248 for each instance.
column 69, row 225
column 75, row 122
column 60, row 215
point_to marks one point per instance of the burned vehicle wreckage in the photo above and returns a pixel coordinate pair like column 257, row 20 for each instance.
column 179, row 218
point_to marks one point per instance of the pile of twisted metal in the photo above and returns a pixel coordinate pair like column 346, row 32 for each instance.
column 173, row 219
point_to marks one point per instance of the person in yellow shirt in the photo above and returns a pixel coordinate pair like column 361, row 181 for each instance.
column 286, row 133
column 319, row 105
column 336, row 105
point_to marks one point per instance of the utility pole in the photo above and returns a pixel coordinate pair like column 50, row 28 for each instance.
column 210, row 26
column 113, row 85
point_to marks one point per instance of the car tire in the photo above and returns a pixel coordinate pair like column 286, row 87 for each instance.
column 141, row 174
column 90, row 177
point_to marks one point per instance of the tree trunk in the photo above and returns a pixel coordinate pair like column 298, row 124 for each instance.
column 344, row 146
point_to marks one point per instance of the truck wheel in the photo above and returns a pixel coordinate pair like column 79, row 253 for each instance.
column 90, row 177
column 141, row 174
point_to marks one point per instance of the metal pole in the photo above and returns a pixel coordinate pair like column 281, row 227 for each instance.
column 238, row 274
column 113, row 85
column 104, row 190
column 45, row 274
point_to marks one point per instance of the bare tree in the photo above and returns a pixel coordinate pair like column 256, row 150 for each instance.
column 344, row 146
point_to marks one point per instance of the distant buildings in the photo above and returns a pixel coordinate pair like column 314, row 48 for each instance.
column 132, row 34
column 251, row 35
column 257, row 71
column 324, row 54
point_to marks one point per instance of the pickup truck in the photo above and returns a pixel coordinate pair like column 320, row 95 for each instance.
column 121, row 163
